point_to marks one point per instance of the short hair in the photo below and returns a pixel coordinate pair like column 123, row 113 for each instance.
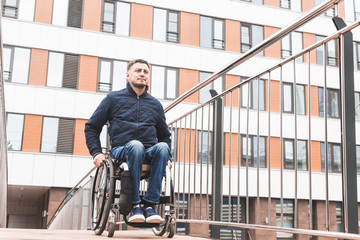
column 131, row 63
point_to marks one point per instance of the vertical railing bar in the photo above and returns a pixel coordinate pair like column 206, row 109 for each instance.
column 179, row 164
column 207, row 165
column 230, row 132
column 343, row 139
column 269, row 156
column 247, row 155
column 201, row 160
column 295, row 149
column 184, row 168
column 310, row 166
column 326, row 144
column 195, row 146
column 258, row 155
column 222, row 156
column 281, row 150
column 239, row 156
column 189, row 166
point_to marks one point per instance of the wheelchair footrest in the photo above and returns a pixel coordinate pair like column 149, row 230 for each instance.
column 142, row 225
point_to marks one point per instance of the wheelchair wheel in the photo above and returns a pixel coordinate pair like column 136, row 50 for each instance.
column 111, row 229
column 171, row 230
column 97, row 196
column 160, row 230
column 107, row 196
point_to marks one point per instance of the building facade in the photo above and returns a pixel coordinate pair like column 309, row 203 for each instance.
column 61, row 58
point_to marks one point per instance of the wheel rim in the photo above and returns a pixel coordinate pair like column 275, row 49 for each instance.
column 100, row 185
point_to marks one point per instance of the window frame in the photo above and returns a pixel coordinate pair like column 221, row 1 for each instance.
column 330, row 114
column 98, row 89
column 22, row 131
column 331, row 146
column 285, row 214
column 166, row 68
column 200, row 152
column 252, row 95
column 103, row 22
column 11, row 64
column 249, row 45
column 357, row 105
column 357, row 53
column 168, row 32
column 251, row 160
column 8, row 6
column 319, row 50
column 288, row 6
column 212, row 37
column 212, row 85
column 292, row 97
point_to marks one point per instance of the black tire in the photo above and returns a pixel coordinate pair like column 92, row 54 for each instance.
column 108, row 196
column 111, row 229
column 171, row 230
column 97, row 197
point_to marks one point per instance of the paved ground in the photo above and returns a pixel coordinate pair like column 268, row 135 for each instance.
column 37, row 234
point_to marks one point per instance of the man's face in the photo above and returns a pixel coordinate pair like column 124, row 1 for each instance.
column 138, row 75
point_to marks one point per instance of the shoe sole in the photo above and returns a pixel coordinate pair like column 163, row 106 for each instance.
column 137, row 220
column 154, row 220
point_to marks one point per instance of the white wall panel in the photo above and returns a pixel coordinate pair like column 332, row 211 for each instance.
column 43, row 173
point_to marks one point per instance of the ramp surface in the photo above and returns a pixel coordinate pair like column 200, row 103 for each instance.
column 38, row 234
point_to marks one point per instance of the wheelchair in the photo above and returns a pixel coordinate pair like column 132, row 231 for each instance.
column 110, row 193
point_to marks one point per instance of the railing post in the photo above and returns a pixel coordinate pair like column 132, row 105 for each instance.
column 216, row 195
column 349, row 168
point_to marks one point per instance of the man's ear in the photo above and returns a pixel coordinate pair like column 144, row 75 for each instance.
column 127, row 75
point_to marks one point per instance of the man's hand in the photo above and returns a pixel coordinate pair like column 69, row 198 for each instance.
column 99, row 160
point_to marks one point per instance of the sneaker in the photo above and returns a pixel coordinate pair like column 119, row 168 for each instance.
column 151, row 216
column 137, row 215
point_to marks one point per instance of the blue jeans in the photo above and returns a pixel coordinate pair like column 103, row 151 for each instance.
column 134, row 154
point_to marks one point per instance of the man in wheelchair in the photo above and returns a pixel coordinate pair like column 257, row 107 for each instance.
column 137, row 130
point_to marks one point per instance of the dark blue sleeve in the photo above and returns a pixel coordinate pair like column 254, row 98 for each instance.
column 95, row 124
column 163, row 133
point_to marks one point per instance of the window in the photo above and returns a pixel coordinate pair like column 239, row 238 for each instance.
column 217, row 85
column 254, row 1
column 212, row 33
column 112, row 75
column 251, row 35
column 289, row 154
column 251, row 149
column 166, row 25
column 291, row 44
column 333, row 107
column 358, row 158
column 357, row 55
column 104, row 139
column 10, row 8
column 331, row 46
column 294, row 5
column 357, row 105
column 338, row 210
column 62, row 70
column 288, row 217
column 67, row 13
column 253, row 104
column 116, row 17
column 164, row 82
column 57, row 135
column 288, row 98
column 329, row 13
column 334, row 157
column 204, row 146
column 14, row 131
column 357, row 10
column 16, row 64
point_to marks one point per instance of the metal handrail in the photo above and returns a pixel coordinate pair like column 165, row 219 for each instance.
column 276, row 229
column 256, row 49
column 63, row 202
column 277, row 65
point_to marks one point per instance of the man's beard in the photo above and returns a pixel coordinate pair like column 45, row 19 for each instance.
column 140, row 86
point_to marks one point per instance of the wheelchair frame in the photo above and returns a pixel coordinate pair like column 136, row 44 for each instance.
column 105, row 206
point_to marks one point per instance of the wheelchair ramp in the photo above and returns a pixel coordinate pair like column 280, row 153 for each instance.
column 24, row 234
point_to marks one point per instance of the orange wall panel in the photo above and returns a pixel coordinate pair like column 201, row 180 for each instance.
column 274, row 153
column 314, row 105
column 79, row 138
column 230, row 81
column 273, row 3
column 88, row 72
column 232, row 35
column 190, row 29
column 32, row 133
column 308, row 40
column 274, row 50
column 315, row 156
column 275, row 96
column 187, row 150
column 92, row 15
column 43, row 11
column 266, row 93
column 141, row 21
column 38, row 67
column 341, row 10
column 235, row 150
column 187, row 79
column 307, row 5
